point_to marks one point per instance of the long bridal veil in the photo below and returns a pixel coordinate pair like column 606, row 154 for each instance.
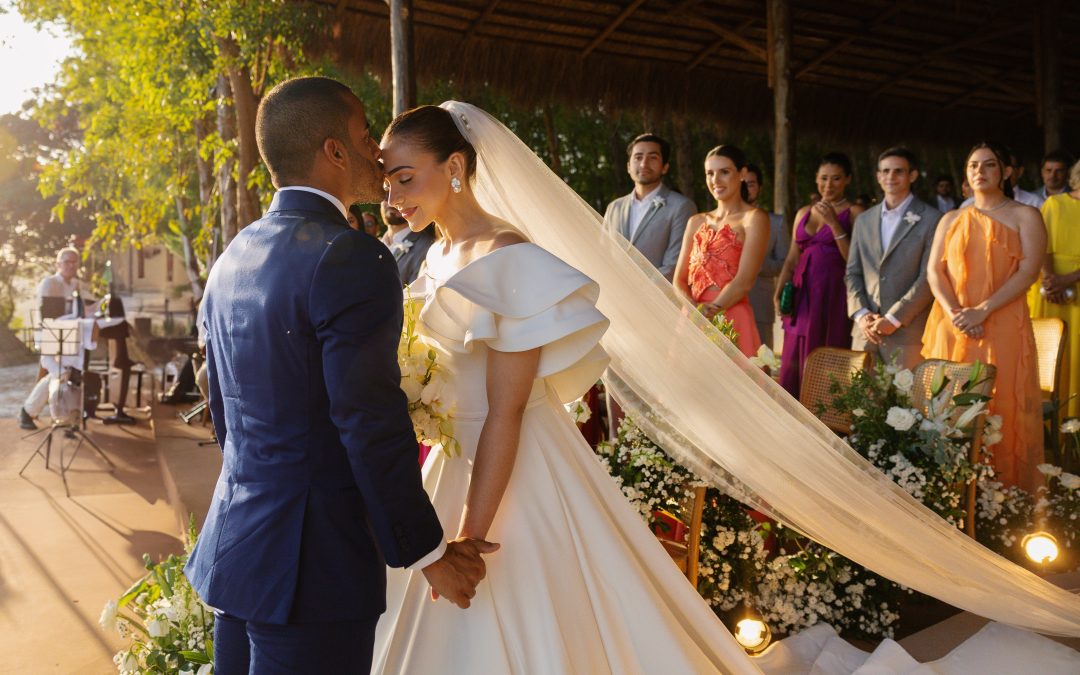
column 713, row 410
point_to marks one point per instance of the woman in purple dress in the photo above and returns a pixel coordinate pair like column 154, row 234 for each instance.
column 815, row 265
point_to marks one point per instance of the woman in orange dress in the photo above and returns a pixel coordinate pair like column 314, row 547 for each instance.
column 722, row 250
column 983, row 260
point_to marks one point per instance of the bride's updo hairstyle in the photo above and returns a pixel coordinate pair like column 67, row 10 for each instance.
column 432, row 129
column 738, row 158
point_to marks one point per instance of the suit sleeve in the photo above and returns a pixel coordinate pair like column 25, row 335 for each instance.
column 919, row 296
column 853, row 276
column 682, row 215
column 356, row 309
column 774, row 258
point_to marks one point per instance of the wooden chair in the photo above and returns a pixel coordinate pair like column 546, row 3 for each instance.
column 688, row 554
column 824, row 366
column 1050, row 352
column 958, row 374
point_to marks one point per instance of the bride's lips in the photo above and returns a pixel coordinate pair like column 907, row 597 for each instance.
column 407, row 213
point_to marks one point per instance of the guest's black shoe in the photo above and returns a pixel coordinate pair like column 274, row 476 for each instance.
column 25, row 421
column 120, row 417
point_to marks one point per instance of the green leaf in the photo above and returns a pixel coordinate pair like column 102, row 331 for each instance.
column 969, row 398
column 195, row 657
column 939, row 381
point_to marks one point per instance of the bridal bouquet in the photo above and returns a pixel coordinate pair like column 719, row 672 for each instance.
column 424, row 385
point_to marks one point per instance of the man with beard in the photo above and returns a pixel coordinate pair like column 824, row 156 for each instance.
column 409, row 248
column 652, row 217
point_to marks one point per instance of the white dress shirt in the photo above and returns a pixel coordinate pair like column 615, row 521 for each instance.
column 945, row 203
column 1019, row 194
column 326, row 195
column 638, row 209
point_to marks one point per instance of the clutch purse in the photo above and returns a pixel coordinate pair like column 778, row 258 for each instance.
column 787, row 299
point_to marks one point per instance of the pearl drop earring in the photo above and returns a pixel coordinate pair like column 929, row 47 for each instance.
column 455, row 184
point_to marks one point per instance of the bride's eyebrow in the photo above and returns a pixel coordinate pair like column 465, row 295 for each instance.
column 391, row 172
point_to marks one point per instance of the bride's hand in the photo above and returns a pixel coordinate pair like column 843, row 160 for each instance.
column 456, row 574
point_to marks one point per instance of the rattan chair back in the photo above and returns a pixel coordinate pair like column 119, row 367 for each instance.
column 824, row 366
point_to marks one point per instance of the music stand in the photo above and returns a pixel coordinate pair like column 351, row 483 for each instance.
column 61, row 338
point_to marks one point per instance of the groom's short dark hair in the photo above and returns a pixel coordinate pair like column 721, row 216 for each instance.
column 901, row 152
column 294, row 120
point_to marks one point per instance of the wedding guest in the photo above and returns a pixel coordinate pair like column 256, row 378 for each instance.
column 887, row 292
column 1054, row 171
column 864, row 201
column 944, row 197
column 409, row 248
column 983, row 260
column 815, row 266
column 370, row 225
column 652, row 217
column 1016, row 166
column 353, row 216
column 55, row 298
column 1057, row 294
column 723, row 250
column 965, row 189
column 762, row 293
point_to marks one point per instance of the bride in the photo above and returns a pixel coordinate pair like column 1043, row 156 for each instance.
column 580, row 584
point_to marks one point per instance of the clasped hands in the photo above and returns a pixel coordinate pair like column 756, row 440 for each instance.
column 969, row 320
column 1055, row 286
column 456, row 575
column 876, row 327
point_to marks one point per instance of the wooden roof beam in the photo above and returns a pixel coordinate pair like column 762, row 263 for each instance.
column 859, row 33
column 727, row 34
column 708, row 51
column 993, row 80
column 612, row 27
column 979, row 38
column 481, row 18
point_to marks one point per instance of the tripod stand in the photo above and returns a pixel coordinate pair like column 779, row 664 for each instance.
column 61, row 339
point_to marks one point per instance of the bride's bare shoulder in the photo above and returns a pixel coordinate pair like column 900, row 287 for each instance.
column 505, row 234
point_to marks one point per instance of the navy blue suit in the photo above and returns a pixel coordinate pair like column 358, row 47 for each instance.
column 320, row 487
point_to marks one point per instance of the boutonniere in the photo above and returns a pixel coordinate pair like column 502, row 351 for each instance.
column 657, row 202
column 401, row 249
column 911, row 217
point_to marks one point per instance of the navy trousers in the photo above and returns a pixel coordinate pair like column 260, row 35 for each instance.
column 251, row 648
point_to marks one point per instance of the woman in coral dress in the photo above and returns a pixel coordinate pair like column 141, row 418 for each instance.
column 723, row 250
column 816, row 265
column 983, row 260
column 1060, row 273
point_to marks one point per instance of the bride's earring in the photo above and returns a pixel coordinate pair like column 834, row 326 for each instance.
column 455, row 184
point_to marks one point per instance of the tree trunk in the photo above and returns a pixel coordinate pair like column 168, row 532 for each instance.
column 205, row 170
column 191, row 263
column 779, row 20
column 245, row 104
column 684, row 162
column 226, row 124
column 401, row 55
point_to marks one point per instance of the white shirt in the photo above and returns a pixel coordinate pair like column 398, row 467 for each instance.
column 398, row 244
column 891, row 219
column 638, row 209
column 326, row 195
column 945, row 203
column 1020, row 195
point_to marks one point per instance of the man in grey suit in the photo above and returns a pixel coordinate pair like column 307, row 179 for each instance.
column 652, row 217
column 888, row 295
column 409, row 248
column 761, row 295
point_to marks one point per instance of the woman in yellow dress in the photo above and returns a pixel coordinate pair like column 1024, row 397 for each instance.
column 1058, row 296
column 983, row 260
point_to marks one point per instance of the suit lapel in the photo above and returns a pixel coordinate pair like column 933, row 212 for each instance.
column 656, row 203
column 875, row 233
column 622, row 215
column 905, row 226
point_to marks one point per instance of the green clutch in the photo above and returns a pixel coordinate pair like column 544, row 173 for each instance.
column 787, row 299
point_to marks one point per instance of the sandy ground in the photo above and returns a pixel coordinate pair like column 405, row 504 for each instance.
column 15, row 384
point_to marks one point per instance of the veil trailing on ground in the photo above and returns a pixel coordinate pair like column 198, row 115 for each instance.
column 726, row 419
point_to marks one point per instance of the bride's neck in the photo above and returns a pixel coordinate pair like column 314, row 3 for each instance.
column 462, row 218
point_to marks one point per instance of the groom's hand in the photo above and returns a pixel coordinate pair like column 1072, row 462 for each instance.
column 456, row 574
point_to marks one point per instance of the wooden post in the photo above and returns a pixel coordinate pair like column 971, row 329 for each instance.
column 779, row 20
column 401, row 55
column 1049, row 74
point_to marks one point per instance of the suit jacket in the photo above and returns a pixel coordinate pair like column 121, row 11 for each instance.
column 659, row 236
column 761, row 293
column 893, row 281
column 409, row 262
column 320, row 485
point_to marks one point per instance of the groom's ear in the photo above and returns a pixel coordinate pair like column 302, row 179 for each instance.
column 334, row 152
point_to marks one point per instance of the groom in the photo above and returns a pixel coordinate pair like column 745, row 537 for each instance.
column 320, row 487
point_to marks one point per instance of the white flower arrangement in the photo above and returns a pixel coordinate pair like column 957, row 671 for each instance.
column 766, row 360
column 425, row 387
column 171, row 629
column 658, row 202
column 579, row 410
column 911, row 217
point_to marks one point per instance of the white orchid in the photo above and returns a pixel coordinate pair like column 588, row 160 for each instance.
column 1071, row 426
column 157, row 627
column 969, row 415
column 108, row 615
column 858, row 412
column 1049, row 470
column 765, row 358
column 1069, row 480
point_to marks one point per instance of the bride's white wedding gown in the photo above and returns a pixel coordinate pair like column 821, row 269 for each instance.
column 580, row 584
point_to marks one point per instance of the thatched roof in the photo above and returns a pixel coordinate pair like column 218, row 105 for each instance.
column 874, row 70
